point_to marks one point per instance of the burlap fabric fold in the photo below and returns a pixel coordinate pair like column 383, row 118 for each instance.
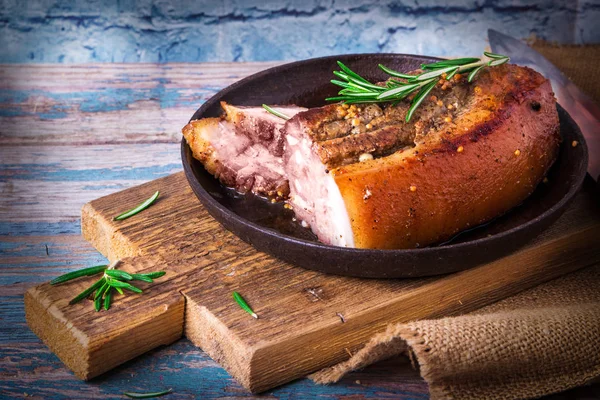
column 541, row 341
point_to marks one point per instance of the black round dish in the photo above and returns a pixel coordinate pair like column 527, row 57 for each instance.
column 269, row 227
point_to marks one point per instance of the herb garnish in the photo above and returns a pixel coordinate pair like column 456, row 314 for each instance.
column 103, row 288
column 147, row 395
column 275, row 112
column 137, row 209
column 356, row 89
column 242, row 303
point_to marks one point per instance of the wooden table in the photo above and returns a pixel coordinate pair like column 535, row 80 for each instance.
column 70, row 134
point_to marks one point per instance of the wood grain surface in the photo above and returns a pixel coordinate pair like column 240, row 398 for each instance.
column 70, row 134
column 300, row 329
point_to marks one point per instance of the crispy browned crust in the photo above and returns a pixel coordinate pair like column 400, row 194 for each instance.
column 487, row 161
column 201, row 148
column 204, row 152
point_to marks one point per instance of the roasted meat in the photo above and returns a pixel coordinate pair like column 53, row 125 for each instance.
column 360, row 176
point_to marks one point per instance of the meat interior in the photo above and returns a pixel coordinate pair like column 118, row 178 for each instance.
column 314, row 195
column 243, row 149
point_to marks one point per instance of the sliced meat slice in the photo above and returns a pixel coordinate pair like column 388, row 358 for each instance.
column 235, row 159
column 260, row 125
column 243, row 149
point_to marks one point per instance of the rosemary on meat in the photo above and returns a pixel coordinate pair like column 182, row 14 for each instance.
column 112, row 280
column 137, row 209
column 356, row 89
column 275, row 112
column 242, row 303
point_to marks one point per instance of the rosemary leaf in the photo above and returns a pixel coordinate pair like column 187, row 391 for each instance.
column 137, row 209
column 354, row 85
column 98, row 303
column 124, row 285
column 452, row 73
column 336, row 98
column 341, row 83
column 87, row 291
column 419, row 98
column 154, row 275
column 397, row 74
column 432, row 74
column 275, row 112
column 449, row 63
column 79, row 273
column 108, row 298
column 351, row 73
column 141, row 277
column 115, row 273
column 497, row 62
column 147, row 395
column 358, row 100
column 474, row 73
column 242, row 303
column 365, row 84
column 341, row 75
column 100, row 292
column 99, row 296
column 402, row 90
column 118, row 289
column 493, row 55
column 360, row 94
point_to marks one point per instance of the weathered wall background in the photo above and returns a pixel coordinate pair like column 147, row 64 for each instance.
column 75, row 31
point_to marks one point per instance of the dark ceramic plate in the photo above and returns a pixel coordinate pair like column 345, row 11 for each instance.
column 269, row 227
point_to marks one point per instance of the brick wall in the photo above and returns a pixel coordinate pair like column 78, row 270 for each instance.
column 237, row 30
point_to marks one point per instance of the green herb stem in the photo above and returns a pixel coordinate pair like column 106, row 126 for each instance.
column 87, row 292
column 154, row 275
column 79, row 273
column 141, row 277
column 242, row 303
column 115, row 273
column 147, row 395
column 356, row 89
column 103, row 288
column 124, row 285
column 275, row 112
column 108, row 298
column 137, row 209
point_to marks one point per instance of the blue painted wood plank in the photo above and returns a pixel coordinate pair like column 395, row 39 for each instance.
column 103, row 104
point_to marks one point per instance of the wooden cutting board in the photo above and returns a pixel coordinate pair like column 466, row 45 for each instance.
column 308, row 320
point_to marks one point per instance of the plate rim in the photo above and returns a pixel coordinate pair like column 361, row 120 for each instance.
column 271, row 233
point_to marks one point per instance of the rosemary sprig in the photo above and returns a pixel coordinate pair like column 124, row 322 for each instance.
column 147, row 395
column 242, row 303
column 137, row 209
column 76, row 274
column 112, row 279
column 356, row 89
column 275, row 112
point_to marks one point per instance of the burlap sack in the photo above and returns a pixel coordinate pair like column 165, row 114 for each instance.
column 542, row 341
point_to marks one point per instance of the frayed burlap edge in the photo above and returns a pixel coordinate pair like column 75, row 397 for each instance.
column 501, row 363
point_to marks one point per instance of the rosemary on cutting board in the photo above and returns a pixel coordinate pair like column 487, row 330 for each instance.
column 242, row 303
column 137, row 209
column 356, row 89
column 112, row 280
column 147, row 395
